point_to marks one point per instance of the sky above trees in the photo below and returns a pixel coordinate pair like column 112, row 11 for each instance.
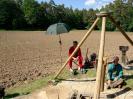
column 80, row 4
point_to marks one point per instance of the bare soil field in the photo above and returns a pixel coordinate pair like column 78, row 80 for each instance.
column 29, row 55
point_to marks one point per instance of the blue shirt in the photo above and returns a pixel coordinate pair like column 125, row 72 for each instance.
column 114, row 71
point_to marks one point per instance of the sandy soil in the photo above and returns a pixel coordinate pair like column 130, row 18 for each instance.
column 28, row 55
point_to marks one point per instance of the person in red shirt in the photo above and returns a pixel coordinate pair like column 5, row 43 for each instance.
column 77, row 57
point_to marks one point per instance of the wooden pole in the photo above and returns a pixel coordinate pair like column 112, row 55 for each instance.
column 122, row 31
column 100, row 60
column 103, row 73
column 60, row 43
column 78, row 46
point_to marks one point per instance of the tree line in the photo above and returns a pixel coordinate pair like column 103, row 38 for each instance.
column 31, row 15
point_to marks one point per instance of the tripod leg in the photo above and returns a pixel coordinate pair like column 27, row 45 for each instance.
column 122, row 31
column 100, row 61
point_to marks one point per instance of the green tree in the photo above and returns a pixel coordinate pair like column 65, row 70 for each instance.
column 19, row 2
column 9, row 13
column 30, row 9
column 18, row 14
column 122, row 12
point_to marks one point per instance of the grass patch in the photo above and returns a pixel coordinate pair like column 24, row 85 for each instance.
column 91, row 73
column 129, row 78
column 78, row 75
column 2, row 30
column 27, row 88
column 130, row 83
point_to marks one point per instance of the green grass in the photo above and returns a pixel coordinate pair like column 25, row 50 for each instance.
column 89, row 74
column 2, row 30
column 130, row 83
column 27, row 88
column 41, row 83
column 129, row 78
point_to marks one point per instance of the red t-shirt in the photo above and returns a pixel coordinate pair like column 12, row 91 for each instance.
column 77, row 54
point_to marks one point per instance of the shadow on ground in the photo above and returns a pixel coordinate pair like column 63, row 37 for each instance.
column 127, row 77
column 127, row 89
column 9, row 96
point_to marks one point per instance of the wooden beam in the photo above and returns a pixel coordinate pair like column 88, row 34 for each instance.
column 122, row 31
column 100, row 60
column 81, row 42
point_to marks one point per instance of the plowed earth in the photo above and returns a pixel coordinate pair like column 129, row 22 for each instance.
column 28, row 55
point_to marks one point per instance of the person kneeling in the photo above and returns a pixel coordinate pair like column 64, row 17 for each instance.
column 114, row 74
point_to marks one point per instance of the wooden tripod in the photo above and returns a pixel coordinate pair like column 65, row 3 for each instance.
column 99, row 83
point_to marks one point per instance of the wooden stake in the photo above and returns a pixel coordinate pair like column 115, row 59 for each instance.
column 122, row 31
column 100, row 60
column 81, row 42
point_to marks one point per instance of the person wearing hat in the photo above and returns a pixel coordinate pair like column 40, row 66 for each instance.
column 115, row 71
column 77, row 56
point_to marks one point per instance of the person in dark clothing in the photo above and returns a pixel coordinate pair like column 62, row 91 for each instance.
column 2, row 92
column 92, row 62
